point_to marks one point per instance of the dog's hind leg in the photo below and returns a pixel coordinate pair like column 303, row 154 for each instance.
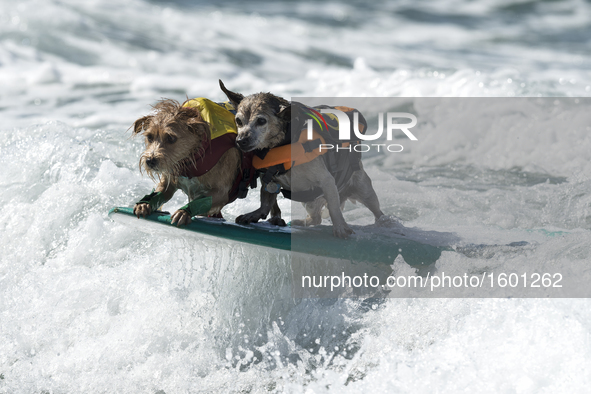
column 340, row 228
column 363, row 191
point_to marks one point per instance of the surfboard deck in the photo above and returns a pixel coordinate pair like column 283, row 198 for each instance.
column 370, row 244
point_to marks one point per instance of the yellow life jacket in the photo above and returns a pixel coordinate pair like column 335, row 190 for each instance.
column 218, row 116
column 223, row 137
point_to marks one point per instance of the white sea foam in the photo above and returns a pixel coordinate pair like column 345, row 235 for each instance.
column 88, row 305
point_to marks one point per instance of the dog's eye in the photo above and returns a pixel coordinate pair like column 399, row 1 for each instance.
column 238, row 122
column 150, row 138
column 261, row 121
column 171, row 139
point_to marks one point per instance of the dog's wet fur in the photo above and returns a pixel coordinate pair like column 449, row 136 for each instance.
column 262, row 120
column 173, row 134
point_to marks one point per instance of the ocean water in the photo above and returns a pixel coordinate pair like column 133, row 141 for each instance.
column 89, row 305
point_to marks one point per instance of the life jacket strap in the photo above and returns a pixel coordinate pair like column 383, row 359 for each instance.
column 246, row 178
column 271, row 172
column 155, row 199
column 311, row 145
column 303, row 196
column 199, row 206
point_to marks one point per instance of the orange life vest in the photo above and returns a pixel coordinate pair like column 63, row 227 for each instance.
column 341, row 163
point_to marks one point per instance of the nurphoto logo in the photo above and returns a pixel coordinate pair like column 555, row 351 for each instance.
column 345, row 130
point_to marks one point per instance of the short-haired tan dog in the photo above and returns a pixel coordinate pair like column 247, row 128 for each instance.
column 191, row 146
column 268, row 124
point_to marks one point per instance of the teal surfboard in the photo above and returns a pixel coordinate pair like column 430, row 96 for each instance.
column 370, row 244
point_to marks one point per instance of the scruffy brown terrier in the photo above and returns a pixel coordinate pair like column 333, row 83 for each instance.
column 178, row 145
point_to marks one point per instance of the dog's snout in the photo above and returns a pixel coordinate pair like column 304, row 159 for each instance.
column 246, row 142
column 152, row 162
column 242, row 142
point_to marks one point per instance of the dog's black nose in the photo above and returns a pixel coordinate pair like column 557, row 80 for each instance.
column 151, row 162
column 242, row 142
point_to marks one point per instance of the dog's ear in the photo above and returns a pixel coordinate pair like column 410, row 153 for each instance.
column 141, row 124
column 235, row 98
column 199, row 127
column 195, row 123
column 284, row 112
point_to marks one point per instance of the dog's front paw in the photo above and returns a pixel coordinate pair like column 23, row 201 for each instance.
column 277, row 221
column 342, row 231
column 142, row 210
column 251, row 217
column 180, row 217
